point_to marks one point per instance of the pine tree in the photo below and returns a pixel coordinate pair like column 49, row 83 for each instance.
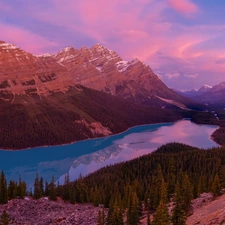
column 155, row 191
column 37, row 188
column 52, row 190
column 12, row 189
column 42, row 186
column 66, row 188
column 171, row 176
column 72, row 194
column 46, row 188
column 161, row 216
column 179, row 215
column 115, row 216
column 133, row 213
column 3, row 189
column 187, row 192
column 21, row 188
column 5, row 220
column 216, row 186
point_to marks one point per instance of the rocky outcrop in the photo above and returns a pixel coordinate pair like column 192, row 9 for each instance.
column 22, row 73
column 207, row 210
column 43, row 211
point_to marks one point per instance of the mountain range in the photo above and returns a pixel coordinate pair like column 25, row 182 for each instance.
column 78, row 94
column 210, row 95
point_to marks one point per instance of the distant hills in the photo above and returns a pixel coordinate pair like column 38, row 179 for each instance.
column 210, row 95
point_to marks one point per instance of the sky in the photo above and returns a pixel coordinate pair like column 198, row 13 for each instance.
column 181, row 40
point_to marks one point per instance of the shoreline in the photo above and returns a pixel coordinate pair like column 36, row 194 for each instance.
column 95, row 138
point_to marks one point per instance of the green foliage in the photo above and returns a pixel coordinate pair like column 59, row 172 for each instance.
column 115, row 216
column 38, row 188
column 134, row 210
column 52, row 190
column 216, row 186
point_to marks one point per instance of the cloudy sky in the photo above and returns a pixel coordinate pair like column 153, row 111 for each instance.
column 183, row 41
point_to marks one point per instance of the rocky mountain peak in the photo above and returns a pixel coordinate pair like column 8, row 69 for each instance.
column 26, row 74
column 204, row 88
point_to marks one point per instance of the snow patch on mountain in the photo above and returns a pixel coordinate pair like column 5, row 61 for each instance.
column 7, row 46
column 123, row 65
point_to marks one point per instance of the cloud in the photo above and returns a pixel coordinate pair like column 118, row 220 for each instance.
column 172, row 75
column 24, row 39
column 183, row 6
column 191, row 75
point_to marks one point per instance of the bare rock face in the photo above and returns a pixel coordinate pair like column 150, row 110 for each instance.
column 102, row 69
column 24, row 73
column 99, row 68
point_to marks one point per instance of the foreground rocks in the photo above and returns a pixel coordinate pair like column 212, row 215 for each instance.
column 208, row 211
column 44, row 212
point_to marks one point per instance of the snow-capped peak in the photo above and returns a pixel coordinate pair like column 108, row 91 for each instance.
column 207, row 86
column 123, row 65
column 45, row 55
column 4, row 45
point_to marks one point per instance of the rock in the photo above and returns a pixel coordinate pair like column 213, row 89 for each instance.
column 43, row 212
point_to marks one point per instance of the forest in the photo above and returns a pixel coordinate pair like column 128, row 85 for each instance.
column 174, row 173
column 55, row 119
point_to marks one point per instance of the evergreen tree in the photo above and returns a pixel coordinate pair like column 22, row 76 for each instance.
column 3, row 189
column 187, row 192
column 66, row 188
column 179, row 215
column 12, row 189
column 72, row 194
column 42, row 186
column 155, row 191
column 161, row 216
column 115, row 217
column 37, row 188
column 52, row 190
column 21, row 188
column 46, row 188
column 5, row 220
column 133, row 213
column 171, row 177
column 216, row 186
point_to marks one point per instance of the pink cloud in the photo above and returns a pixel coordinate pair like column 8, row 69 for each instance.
column 183, row 6
column 24, row 39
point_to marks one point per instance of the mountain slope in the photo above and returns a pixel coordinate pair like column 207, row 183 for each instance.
column 77, row 114
column 102, row 69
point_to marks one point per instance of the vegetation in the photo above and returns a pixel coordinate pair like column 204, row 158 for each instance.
column 175, row 171
column 63, row 118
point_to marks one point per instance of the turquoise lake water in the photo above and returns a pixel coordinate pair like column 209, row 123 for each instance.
column 87, row 156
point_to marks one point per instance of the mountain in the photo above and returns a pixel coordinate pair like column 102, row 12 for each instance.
column 195, row 92
column 102, row 69
column 213, row 96
column 77, row 94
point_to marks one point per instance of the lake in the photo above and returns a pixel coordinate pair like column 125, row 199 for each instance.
column 87, row 156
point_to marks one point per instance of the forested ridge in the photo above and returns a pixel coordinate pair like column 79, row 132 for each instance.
column 175, row 172
column 65, row 117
